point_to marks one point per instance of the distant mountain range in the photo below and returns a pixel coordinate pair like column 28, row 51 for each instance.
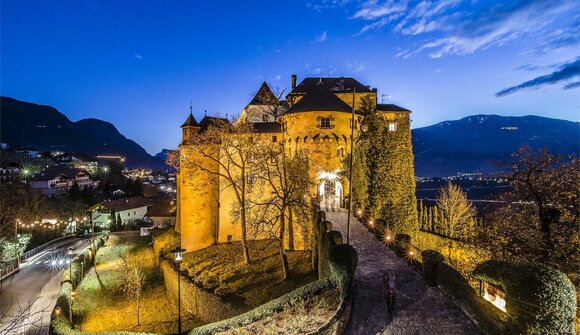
column 45, row 128
column 472, row 144
column 476, row 143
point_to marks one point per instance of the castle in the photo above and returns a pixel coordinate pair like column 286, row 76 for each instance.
column 316, row 117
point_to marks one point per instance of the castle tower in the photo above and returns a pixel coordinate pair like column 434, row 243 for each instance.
column 198, row 191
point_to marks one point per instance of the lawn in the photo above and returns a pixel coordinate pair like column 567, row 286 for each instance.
column 103, row 305
column 221, row 269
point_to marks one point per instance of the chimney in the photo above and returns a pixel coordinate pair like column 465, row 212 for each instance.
column 293, row 81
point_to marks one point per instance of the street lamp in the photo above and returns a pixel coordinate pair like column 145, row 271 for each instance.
column 178, row 252
column 69, row 252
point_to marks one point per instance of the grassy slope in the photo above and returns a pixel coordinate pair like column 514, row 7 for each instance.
column 221, row 270
column 104, row 306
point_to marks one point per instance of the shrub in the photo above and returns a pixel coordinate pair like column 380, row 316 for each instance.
column 165, row 240
column 402, row 244
column 539, row 299
column 431, row 259
column 488, row 318
column 343, row 261
column 327, row 241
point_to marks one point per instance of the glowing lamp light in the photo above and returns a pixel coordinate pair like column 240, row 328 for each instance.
column 178, row 253
column 359, row 212
column 57, row 311
column 388, row 238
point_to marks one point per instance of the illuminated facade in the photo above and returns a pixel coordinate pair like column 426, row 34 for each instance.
column 316, row 118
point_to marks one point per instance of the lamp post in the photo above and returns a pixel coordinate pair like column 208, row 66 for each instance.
column 69, row 252
column 178, row 252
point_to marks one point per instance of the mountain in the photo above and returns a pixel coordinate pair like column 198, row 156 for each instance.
column 45, row 128
column 476, row 143
column 162, row 155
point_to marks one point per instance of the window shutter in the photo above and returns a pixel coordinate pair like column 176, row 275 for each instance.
column 318, row 122
column 332, row 122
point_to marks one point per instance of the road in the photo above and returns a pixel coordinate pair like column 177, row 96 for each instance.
column 28, row 297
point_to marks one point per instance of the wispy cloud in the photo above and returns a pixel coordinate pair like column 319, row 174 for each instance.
column 564, row 73
column 278, row 77
column 322, row 38
column 327, row 4
column 138, row 56
column 357, row 66
column 462, row 27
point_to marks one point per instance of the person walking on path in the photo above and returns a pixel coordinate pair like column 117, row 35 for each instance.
column 390, row 283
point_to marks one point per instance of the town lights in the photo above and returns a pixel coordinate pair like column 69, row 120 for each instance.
column 178, row 253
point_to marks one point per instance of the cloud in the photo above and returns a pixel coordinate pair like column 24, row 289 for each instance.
column 373, row 9
column 278, row 77
column 138, row 56
column 327, row 4
column 357, row 66
column 462, row 27
column 322, row 38
column 565, row 72
column 569, row 86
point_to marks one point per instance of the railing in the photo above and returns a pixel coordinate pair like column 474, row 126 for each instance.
column 38, row 249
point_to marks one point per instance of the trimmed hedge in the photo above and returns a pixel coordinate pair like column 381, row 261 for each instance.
column 539, row 299
column 431, row 259
column 489, row 319
column 327, row 241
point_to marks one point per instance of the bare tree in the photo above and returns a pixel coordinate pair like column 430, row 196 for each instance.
column 134, row 284
column 458, row 212
column 286, row 181
column 229, row 145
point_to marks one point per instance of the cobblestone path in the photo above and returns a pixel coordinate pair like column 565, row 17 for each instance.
column 419, row 309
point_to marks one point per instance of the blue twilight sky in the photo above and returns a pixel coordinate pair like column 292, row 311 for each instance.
column 138, row 64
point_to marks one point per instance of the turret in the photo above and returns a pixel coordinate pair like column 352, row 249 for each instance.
column 189, row 127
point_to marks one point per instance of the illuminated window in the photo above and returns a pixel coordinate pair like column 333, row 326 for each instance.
column 392, row 126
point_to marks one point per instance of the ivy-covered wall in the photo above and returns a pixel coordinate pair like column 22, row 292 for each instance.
column 389, row 175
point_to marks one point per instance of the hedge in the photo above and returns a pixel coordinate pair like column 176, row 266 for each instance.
column 489, row 319
column 342, row 262
column 431, row 259
column 539, row 299
column 60, row 323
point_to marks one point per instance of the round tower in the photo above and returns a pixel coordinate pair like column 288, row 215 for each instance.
column 198, row 190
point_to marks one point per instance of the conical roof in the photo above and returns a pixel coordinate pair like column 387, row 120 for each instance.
column 190, row 122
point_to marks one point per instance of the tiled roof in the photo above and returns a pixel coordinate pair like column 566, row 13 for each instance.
column 53, row 172
column 391, row 108
column 264, row 96
column 190, row 122
column 125, row 204
column 319, row 98
column 267, row 127
column 211, row 120
column 334, row 84
column 163, row 208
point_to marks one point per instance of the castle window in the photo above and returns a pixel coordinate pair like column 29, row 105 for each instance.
column 340, row 151
column 184, row 132
column 230, row 238
column 392, row 126
column 323, row 122
column 265, row 117
column 274, row 138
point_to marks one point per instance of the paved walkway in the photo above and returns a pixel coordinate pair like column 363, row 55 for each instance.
column 419, row 309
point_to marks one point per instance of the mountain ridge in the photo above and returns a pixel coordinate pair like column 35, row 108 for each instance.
column 46, row 128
